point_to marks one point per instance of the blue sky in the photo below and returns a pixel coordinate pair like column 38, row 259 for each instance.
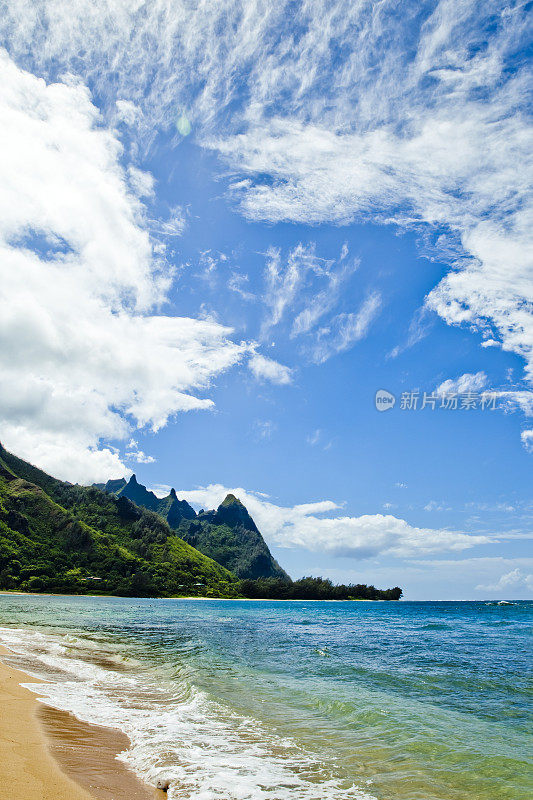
column 225, row 228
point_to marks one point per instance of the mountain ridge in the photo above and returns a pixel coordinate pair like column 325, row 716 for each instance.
column 55, row 536
column 227, row 534
column 64, row 538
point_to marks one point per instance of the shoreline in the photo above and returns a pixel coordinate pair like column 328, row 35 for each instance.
column 51, row 755
column 15, row 593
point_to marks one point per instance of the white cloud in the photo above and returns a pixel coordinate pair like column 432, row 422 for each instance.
column 174, row 225
column 127, row 112
column 285, row 280
column 267, row 369
column 306, row 289
column 513, row 580
column 419, row 328
column 141, row 458
column 510, row 400
column 315, row 437
column 358, row 537
column 468, row 382
column 208, row 263
column 134, row 453
column 410, row 119
column 160, row 489
column 142, row 183
column 320, row 304
column 368, row 115
column 444, row 578
column 527, row 439
column 345, row 329
column 81, row 357
column 264, row 428
column 238, row 283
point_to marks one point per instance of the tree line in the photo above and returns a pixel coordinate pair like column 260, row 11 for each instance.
column 310, row 588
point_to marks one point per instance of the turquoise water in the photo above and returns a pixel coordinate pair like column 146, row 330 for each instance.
column 312, row 701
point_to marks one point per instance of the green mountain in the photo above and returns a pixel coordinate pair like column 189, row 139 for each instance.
column 74, row 539
column 59, row 537
column 228, row 534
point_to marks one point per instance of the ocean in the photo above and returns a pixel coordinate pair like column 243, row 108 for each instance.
column 243, row 700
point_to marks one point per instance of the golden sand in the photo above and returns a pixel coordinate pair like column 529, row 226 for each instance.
column 47, row 754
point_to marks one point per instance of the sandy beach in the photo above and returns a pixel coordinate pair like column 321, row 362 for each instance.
column 47, row 754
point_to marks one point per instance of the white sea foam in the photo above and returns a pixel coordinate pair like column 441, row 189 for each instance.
column 177, row 733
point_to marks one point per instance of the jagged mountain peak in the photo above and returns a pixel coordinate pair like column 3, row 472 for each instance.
column 139, row 494
column 74, row 539
column 229, row 500
column 228, row 534
column 233, row 512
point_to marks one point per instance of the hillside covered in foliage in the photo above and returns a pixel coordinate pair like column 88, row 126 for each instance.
column 228, row 534
column 62, row 538
column 71, row 539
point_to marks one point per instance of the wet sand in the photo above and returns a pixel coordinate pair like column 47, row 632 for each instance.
column 47, row 754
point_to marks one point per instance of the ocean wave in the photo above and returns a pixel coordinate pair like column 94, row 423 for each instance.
column 178, row 734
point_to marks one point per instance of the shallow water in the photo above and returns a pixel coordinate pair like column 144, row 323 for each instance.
column 239, row 700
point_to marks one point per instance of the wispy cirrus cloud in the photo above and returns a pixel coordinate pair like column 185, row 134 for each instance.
column 303, row 291
column 508, row 399
column 345, row 330
column 412, row 120
column 288, row 286
column 468, row 382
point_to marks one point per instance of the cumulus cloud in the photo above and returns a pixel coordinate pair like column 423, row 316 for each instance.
column 358, row 537
column 134, row 453
column 83, row 356
column 514, row 580
column 412, row 119
column 416, row 119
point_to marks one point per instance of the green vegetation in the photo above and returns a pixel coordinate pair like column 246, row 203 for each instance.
column 228, row 535
column 315, row 589
column 57, row 537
